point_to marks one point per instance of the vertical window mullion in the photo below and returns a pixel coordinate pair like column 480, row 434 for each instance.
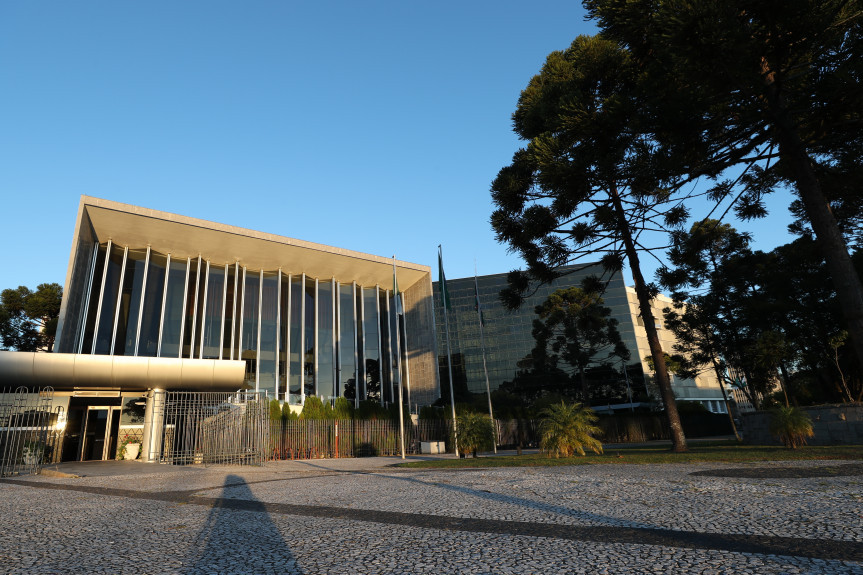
column 80, row 343
column 260, row 315
column 242, row 311
column 164, row 305
column 390, row 337
column 288, row 345
column 355, row 345
column 185, row 304
column 143, row 297
column 303, row 340
column 316, row 318
column 195, row 309
column 119, row 299
column 101, row 297
column 222, row 321
column 362, row 357
column 204, row 309
column 234, row 310
column 380, row 344
column 278, row 326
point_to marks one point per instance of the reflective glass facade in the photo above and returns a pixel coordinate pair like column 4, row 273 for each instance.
column 303, row 318
column 508, row 334
column 297, row 335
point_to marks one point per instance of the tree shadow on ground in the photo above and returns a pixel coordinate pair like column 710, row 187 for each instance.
column 240, row 537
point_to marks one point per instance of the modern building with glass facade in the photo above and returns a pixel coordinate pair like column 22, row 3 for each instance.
column 156, row 301
column 509, row 340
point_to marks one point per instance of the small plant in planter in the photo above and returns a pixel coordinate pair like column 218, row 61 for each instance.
column 34, row 452
column 130, row 448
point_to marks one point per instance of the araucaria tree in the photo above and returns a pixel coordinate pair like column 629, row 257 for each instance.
column 589, row 182
column 736, row 81
column 575, row 326
column 28, row 319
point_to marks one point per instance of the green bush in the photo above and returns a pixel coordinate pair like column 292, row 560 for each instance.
column 475, row 433
column 567, row 428
column 314, row 408
column 791, row 426
column 275, row 410
column 288, row 414
column 343, row 409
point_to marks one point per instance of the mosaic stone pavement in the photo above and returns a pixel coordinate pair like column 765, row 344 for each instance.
column 362, row 516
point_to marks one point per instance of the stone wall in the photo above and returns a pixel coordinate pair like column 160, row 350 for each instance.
column 833, row 425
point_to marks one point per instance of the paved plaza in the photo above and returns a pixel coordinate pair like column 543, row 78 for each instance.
column 362, row 516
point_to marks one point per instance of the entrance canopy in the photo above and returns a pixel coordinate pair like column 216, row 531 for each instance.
column 67, row 371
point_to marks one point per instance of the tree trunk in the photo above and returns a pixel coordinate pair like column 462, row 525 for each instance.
column 719, row 380
column 584, row 386
column 678, row 439
column 829, row 237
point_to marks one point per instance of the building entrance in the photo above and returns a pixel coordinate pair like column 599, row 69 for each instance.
column 99, row 437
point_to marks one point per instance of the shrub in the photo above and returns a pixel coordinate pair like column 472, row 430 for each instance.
column 275, row 410
column 343, row 409
column 288, row 414
column 475, row 433
column 567, row 428
column 314, row 408
column 791, row 426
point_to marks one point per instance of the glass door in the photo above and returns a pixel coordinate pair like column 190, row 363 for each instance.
column 101, row 427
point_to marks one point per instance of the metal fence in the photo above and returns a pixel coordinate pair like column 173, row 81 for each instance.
column 311, row 439
column 30, row 430
column 211, row 428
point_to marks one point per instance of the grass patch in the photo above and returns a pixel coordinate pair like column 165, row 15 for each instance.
column 729, row 452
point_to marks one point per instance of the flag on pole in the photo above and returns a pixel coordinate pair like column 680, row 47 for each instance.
column 444, row 294
column 397, row 296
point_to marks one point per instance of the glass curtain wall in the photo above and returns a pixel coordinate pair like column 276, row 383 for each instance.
column 371, row 342
column 172, row 315
column 326, row 332
column 297, row 335
column 295, row 347
column 249, row 323
column 309, row 311
column 151, row 314
column 213, row 315
column 347, row 381
column 93, row 302
column 269, row 327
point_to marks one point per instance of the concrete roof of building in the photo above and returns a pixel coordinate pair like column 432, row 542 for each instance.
column 183, row 237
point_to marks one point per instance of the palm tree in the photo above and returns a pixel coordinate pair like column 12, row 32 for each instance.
column 791, row 426
column 475, row 432
column 567, row 428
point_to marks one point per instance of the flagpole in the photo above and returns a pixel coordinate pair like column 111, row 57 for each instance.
column 445, row 300
column 399, row 358
column 482, row 345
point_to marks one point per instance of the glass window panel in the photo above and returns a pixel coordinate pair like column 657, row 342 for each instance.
column 269, row 311
column 396, row 340
column 238, row 312
column 347, row 343
column 229, row 313
column 130, row 302
column 361, row 364
column 249, row 337
column 372, row 346
column 148, row 343
column 296, row 344
column 386, row 374
column 284, row 326
column 105, row 329
column 202, row 287
column 309, row 343
column 93, row 305
column 212, row 313
column 326, row 355
column 190, row 307
column 173, row 322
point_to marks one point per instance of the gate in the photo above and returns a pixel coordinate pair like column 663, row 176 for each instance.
column 29, row 431
column 210, row 428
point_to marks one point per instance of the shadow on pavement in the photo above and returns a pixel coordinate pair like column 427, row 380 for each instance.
column 236, row 541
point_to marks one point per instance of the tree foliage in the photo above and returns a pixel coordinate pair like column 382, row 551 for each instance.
column 589, row 182
column 28, row 319
column 475, row 433
column 791, row 426
column 774, row 87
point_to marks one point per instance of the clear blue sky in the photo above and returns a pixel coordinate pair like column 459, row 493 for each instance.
column 373, row 126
